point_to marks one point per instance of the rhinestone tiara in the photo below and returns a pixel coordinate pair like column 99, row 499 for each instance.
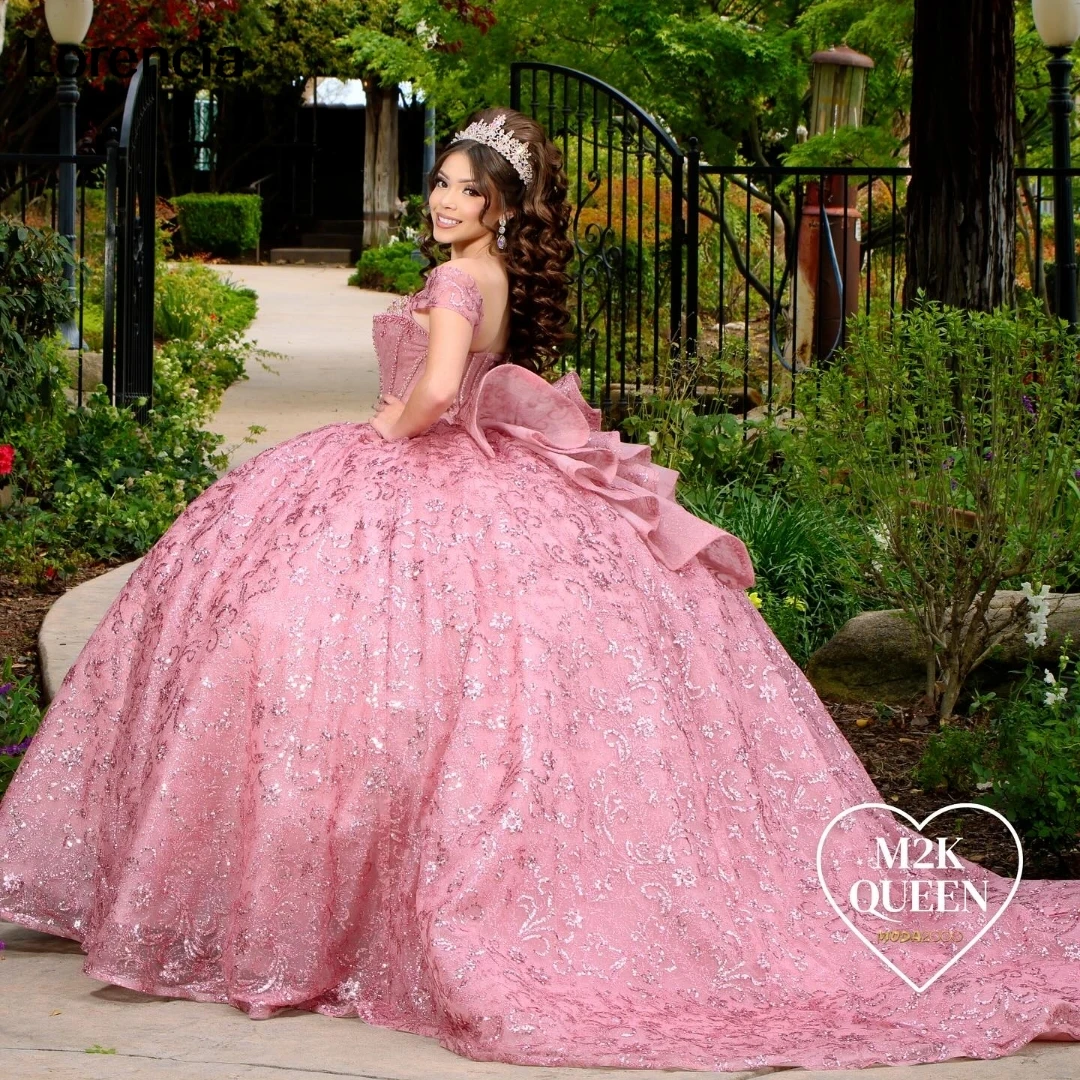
column 514, row 150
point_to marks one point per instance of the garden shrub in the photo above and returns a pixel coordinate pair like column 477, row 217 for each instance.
column 34, row 304
column 806, row 580
column 190, row 299
column 1021, row 756
column 956, row 436
column 223, row 224
column 389, row 268
column 20, row 716
column 92, row 483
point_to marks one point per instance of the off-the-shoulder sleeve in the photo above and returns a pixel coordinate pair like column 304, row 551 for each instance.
column 449, row 287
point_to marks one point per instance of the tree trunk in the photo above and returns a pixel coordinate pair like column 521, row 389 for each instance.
column 961, row 206
column 3, row 22
column 380, row 161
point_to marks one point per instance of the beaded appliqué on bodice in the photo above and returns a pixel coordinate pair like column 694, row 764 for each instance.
column 401, row 343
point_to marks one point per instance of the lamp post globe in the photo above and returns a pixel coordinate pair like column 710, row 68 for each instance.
column 68, row 22
column 1058, row 24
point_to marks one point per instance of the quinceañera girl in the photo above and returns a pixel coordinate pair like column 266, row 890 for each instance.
column 457, row 722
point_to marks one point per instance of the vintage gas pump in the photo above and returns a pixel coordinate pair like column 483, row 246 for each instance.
column 826, row 280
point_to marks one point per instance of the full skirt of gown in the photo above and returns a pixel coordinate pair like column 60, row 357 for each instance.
column 425, row 732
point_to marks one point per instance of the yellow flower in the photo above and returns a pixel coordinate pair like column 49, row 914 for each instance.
column 754, row 599
column 796, row 602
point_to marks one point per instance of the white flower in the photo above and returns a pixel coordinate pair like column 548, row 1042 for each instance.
column 985, row 785
column 1039, row 605
column 1048, row 677
column 653, row 436
column 1056, row 696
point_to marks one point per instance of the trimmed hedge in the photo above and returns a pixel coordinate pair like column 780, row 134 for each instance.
column 221, row 224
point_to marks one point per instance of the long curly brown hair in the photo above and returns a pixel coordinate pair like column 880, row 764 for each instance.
column 537, row 248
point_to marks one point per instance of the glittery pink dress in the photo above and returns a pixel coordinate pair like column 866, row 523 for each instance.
column 476, row 735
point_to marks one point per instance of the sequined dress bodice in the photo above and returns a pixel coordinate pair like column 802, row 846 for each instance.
column 401, row 343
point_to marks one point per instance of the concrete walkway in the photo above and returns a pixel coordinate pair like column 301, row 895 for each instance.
column 327, row 370
column 51, row 1014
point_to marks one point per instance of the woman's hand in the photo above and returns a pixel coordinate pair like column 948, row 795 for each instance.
column 388, row 410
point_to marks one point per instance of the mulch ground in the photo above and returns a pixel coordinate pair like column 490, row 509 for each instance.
column 889, row 747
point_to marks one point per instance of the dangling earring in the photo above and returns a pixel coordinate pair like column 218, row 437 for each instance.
column 501, row 242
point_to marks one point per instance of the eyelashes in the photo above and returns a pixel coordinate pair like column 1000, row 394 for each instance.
column 440, row 180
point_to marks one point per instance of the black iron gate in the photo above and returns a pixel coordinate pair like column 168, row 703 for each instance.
column 626, row 174
column 131, row 188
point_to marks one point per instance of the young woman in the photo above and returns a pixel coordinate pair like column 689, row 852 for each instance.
column 457, row 722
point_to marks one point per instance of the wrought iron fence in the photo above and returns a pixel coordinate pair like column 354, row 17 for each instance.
column 28, row 191
column 136, row 233
column 733, row 279
column 625, row 173
column 115, row 234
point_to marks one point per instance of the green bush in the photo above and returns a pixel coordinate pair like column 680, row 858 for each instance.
column 806, row 581
column 20, row 716
column 222, row 224
column 34, row 303
column 957, row 437
column 1021, row 756
column 951, row 758
column 1035, row 769
column 94, row 484
column 191, row 298
column 390, row 268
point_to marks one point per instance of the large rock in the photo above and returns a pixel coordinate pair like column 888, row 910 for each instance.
column 880, row 656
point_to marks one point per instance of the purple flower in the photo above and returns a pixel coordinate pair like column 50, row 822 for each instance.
column 16, row 750
column 1076, row 474
column 953, row 485
column 948, row 463
column 6, row 688
column 989, row 455
column 1028, row 403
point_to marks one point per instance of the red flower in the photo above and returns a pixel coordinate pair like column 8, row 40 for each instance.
column 50, row 572
column 7, row 458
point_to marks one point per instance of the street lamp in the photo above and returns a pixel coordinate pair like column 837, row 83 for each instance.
column 1058, row 23
column 68, row 22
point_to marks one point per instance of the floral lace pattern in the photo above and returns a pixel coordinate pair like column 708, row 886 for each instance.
column 454, row 734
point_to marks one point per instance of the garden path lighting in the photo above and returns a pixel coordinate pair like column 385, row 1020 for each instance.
column 68, row 22
column 1058, row 23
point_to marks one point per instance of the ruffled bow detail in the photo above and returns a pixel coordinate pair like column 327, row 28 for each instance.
column 556, row 422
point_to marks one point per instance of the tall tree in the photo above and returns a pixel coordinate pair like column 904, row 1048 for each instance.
column 961, row 207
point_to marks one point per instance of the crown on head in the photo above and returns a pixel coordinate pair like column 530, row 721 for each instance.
column 493, row 135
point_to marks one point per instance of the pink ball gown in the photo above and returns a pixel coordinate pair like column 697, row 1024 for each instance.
column 476, row 735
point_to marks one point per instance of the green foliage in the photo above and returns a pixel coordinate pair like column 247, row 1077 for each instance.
column 390, row 268
column 34, row 303
column 20, row 716
column 1020, row 755
column 951, row 758
column 957, row 435
column 191, row 299
column 93, row 483
column 223, row 224
column 805, row 578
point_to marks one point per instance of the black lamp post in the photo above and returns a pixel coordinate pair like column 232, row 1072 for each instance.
column 68, row 22
column 1058, row 23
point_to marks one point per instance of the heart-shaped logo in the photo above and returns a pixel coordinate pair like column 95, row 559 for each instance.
column 919, row 826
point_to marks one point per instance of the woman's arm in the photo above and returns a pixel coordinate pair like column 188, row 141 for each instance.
column 450, row 334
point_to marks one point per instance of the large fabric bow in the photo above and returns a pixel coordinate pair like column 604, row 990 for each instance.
column 556, row 422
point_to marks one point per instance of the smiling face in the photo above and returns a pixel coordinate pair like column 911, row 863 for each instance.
column 456, row 205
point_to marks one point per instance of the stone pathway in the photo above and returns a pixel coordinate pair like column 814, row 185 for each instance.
column 328, row 371
column 51, row 1014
